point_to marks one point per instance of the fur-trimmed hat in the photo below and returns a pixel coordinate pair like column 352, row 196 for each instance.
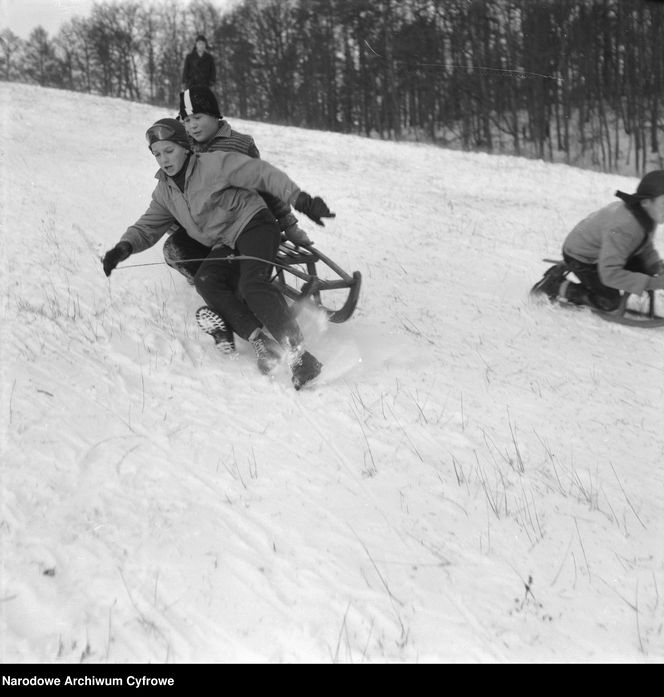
column 198, row 100
column 167, row 129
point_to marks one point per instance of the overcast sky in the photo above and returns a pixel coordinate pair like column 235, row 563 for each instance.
column 22, row 16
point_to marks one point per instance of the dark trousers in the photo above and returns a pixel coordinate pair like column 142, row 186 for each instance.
column 179, row 248
column 591, row 291
column 242, row 291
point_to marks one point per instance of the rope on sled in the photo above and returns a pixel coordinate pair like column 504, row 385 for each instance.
column 238, row 257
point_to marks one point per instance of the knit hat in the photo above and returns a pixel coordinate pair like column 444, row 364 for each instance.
column 168, row 129
column 200, row 37
column 198, row 100
column 652, row 185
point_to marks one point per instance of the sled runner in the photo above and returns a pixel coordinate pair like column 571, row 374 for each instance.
column 303, row 273
column 641, row 313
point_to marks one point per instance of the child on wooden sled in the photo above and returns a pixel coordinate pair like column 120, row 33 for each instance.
column 214, row 196
column 612, row 250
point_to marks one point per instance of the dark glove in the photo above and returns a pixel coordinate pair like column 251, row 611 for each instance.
column 114, row 256
column 297, row 235
column 292, row 232
column 314, row 208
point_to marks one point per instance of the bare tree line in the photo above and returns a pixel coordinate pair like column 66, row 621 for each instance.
column 578, row 81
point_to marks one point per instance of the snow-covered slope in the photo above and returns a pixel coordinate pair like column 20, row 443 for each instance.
column 476, row 477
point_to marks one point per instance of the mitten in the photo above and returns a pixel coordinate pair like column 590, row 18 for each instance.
column 114, row 256
column 288, row 225
column 297, row 235
column 314, row 208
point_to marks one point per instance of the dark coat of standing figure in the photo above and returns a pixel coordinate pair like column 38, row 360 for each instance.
column 199, row 68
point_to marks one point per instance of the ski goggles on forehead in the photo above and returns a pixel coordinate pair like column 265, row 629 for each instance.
column 159, row 132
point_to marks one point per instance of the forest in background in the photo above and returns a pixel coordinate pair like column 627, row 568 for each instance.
column 574, row 81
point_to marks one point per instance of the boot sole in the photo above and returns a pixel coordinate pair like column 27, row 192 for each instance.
column 210, row 322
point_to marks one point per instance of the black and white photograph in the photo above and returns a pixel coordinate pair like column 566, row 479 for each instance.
column 332, row 333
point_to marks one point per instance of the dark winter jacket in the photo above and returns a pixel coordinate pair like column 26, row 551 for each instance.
column 219, row 199
column 198, row 70
column 610, row 237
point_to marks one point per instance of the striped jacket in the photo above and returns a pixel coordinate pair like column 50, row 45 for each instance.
column 227, row 140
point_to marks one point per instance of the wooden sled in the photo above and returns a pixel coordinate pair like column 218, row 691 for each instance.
column 644, row 316
column 305, row 274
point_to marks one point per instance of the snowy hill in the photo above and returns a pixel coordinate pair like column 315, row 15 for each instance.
column 476, row 478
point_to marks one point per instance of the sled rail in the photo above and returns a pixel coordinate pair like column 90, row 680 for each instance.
column 299, row 263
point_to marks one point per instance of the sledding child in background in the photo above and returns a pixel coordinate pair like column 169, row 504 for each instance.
column 214, row 196
column 210, row 132
column 612, row 250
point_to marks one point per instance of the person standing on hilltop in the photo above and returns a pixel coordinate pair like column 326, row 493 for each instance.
column 199, row 68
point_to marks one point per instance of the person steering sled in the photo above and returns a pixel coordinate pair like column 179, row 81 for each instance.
column 214, row 197
column 209, row 131
column 611, row 250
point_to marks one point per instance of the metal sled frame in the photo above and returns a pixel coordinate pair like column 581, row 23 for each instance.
column 634, row 318
column 299, row 262
column 646, row 319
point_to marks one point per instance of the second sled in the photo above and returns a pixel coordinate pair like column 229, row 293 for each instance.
column 634, row 310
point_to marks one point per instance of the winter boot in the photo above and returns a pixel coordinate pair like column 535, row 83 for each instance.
column 268, row 351
column 550, row 283
column 214, row 325
column 304, row 367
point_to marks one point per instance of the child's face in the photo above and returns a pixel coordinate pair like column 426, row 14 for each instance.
column 655, row 208
column 170, row 156
column 201, row 127
column 200, row 46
